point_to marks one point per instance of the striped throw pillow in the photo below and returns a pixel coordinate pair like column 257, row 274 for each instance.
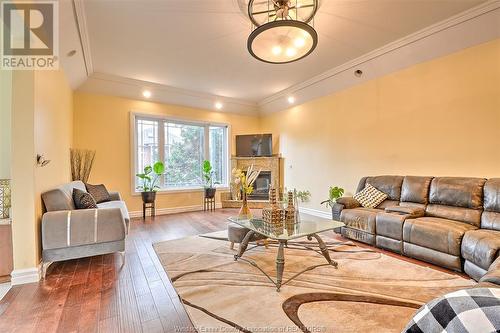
column 370, row 197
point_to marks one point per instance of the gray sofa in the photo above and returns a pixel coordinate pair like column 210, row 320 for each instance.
column 68, row 233
column 452, row 222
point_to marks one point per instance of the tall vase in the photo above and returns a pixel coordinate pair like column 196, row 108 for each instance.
column 245, row 212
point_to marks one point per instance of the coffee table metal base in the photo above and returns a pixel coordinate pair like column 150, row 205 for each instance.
column 280, row 258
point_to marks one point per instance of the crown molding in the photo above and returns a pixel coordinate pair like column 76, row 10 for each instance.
column 81, row 24
column 103, row 83
column 266, row 105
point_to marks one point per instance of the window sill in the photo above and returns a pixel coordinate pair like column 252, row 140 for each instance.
column 182, row 190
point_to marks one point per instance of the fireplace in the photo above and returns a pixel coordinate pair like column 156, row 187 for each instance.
column 261, row 186
column 270, row 176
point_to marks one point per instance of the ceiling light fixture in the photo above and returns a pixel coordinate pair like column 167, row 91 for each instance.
column 146, row 93
column 218, row 105
column 291, row 99
column 282, row 25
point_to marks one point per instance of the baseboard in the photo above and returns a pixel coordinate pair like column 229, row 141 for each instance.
column 316, row 212
column 27, row 275
column 172, row 210
column 4, row 289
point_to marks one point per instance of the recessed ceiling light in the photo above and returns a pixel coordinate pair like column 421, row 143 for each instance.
column 291, row 99
column 146, row 93
column 218, row 105
column 358, row 73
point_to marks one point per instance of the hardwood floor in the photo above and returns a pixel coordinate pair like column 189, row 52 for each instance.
column 99, row 294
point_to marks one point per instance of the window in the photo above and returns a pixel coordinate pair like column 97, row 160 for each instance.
column 183, row 146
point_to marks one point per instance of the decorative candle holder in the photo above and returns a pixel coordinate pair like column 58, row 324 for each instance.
column 273, row 214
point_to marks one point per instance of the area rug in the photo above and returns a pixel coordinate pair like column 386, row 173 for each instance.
column 369, row 292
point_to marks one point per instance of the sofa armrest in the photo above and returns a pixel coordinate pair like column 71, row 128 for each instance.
column 67, row 228
column 341, row 204
column 412, row 211
column 115, row 196
column 493, row 274
column 348, row 202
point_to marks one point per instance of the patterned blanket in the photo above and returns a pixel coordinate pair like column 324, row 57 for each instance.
column 470, row 310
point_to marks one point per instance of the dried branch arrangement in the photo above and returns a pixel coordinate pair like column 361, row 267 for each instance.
column 82, row 161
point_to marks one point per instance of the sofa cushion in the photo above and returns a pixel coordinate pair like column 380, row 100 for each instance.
column 390, row 185
column 83, row 200
column 116, row 204
column 415, row 189
column 61, row 198
column 439, row 234
column 390, row 225
column 370, row 197
column 492, row 195
column 360, row 218
column 98, row 192
column 457, row 191
column 490, row 220
column 388, row 203
column 481, row 247
column 467, row 215
column 491, row 216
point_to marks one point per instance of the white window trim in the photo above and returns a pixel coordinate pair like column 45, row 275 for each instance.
column 133, row 151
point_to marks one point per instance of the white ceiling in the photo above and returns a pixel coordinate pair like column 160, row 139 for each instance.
column 200, row 45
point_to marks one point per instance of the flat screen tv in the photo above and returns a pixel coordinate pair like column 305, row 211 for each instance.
column 254, row 145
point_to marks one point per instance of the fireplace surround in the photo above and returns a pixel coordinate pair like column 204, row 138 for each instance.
column 271, row 176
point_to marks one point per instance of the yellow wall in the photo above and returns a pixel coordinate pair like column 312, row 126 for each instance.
column 53, row 132
column 437, row 118
column 24, row 237
column 5, row 122
column 42, row 111
column 102, row 123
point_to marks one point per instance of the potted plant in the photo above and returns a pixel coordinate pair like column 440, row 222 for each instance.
column 208, row 177
column 149, row 181
column 333, row 194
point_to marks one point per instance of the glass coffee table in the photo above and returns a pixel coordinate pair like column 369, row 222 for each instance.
column 283, row 233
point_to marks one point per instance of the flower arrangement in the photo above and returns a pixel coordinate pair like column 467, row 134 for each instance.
column 245, row 181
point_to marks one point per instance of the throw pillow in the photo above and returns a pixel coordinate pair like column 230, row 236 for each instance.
column 370, row 197
column 83, row 200
column 98, row 192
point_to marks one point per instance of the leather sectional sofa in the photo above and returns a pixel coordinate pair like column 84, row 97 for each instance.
column 452, row 222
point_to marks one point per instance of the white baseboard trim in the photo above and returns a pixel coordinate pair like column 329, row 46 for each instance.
column 172, row 210
column 26, row 275
column 4, row 289
column 316, row 212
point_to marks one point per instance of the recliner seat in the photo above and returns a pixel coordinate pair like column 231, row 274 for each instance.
column 389, row 224
column 360, row 222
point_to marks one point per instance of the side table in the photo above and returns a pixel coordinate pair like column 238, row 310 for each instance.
column 208, row 204
column 146, row 206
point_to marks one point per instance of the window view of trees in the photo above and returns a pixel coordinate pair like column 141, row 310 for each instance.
column 183, row 149
column 183, row 155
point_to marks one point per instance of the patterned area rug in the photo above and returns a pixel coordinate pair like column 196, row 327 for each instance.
column 369, row 292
